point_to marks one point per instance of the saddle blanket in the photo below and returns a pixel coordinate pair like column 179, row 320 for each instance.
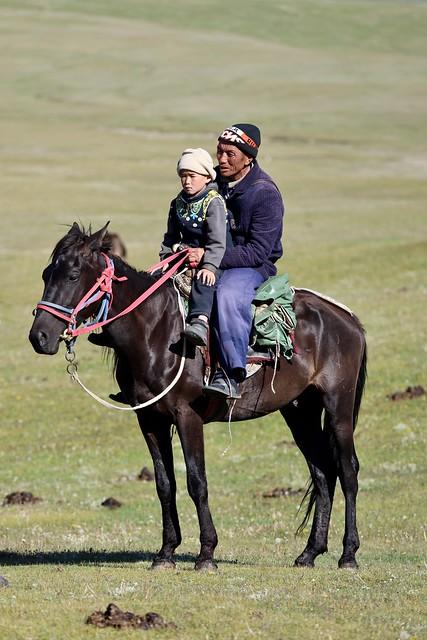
column 325, row 297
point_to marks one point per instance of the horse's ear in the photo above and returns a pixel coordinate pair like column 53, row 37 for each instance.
column 95, row 240
column 74, row 229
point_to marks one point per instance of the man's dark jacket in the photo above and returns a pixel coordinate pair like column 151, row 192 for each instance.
column 257, row 211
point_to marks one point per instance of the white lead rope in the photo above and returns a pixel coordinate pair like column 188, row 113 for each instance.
column 72, row 370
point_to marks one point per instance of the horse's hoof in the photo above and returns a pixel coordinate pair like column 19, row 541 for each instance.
column 206, row 565
column 304, row 563
column 161, row 564
column 347, row 564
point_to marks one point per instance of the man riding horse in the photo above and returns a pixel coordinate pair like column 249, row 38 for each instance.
column 256, row 212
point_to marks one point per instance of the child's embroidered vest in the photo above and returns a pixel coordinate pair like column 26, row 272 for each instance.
column 191, row 216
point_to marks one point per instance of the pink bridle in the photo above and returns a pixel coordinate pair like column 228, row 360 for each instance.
column 103, row 289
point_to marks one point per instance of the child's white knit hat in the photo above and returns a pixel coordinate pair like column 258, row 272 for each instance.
column 197, row 160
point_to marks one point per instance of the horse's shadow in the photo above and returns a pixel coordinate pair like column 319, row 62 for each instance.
column 67, row 556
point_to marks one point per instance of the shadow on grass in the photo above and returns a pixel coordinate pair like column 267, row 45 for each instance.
column 15, row 558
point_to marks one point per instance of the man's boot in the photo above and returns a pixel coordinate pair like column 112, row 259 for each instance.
column 222, row 385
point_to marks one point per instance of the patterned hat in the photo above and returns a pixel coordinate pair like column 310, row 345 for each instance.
column 246, row 137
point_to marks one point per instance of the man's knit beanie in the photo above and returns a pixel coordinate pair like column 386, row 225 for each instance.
column 197, row 160
column 246, row 137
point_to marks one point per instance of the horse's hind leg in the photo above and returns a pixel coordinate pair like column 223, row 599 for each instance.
column 157, row 433
column 340, row 417
column 304, row 420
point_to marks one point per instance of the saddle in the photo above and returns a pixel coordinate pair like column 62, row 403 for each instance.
column 274, row 320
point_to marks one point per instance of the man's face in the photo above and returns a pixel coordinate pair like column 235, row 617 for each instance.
column 232, row 162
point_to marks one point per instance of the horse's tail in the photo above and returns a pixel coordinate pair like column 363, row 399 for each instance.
column 310, row 494
column 360, row 385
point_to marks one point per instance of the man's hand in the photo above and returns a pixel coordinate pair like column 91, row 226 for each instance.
column 206, row 276
column 195, row 256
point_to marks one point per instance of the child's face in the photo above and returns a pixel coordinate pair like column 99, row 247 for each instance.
column 193, row 182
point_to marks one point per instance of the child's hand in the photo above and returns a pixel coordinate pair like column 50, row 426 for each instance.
column 195, row 256
column 206, row 276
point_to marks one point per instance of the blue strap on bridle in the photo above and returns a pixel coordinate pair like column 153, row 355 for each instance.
column 56, row 306
column 102, row 311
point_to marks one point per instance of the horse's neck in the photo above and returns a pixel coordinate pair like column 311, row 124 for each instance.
column 154, row 315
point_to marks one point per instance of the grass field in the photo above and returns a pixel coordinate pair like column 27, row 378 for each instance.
column 97, row 101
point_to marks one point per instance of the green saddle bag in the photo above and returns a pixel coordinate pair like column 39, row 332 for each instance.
column 274, row 318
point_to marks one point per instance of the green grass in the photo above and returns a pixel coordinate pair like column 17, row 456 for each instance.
column 97, row 101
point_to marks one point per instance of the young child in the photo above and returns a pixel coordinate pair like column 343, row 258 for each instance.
column 198, row 218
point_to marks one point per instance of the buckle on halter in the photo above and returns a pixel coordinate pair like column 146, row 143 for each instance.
column 70, row 341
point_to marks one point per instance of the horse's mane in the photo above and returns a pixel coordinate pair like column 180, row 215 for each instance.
column 78, row 236
column 145, row 279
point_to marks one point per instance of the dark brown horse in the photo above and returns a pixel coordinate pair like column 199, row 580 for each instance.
column 318, row 392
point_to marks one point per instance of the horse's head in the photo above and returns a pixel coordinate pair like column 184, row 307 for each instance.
column 75, row 264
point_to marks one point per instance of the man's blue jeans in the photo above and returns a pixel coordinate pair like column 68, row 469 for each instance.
column 231, row 320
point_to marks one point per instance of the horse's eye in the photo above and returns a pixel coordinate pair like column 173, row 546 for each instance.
column 46, row 273
column 74, row 276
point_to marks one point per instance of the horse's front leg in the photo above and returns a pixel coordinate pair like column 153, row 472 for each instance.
column 157, row 433
column 190, row 430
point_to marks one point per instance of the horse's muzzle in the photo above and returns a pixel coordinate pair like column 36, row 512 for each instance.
column 43, row 341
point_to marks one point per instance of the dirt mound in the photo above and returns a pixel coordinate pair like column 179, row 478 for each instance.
column 115, row 617
column 21, row 497
column 410, row 392
column 145, row 474
column 278, row 492
column 111, row 503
